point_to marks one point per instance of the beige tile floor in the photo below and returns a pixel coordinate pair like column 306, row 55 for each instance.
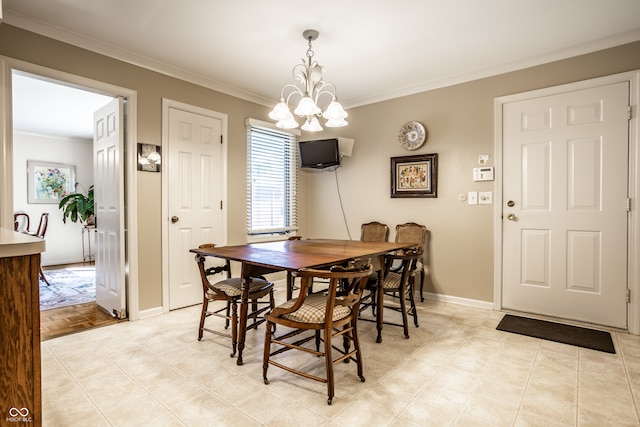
column 456, row 369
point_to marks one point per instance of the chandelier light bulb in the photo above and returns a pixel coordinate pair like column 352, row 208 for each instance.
column 306, row 107
column 338, row 123
column 312, row 125
column 335, row 112
column 288, row 123
column 280, row 111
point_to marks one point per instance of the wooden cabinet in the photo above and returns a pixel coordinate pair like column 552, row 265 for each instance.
column 20, row 379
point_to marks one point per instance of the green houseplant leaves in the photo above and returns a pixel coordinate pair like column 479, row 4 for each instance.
column 77, row 206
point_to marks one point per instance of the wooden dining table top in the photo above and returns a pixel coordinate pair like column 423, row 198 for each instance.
column 292, row 255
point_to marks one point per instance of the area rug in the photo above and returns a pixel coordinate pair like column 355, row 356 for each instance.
column 566, row 334
column 69, row 286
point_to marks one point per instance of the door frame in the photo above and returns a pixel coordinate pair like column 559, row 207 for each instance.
column 633, row 218
column 166, row 105
column 7, row 66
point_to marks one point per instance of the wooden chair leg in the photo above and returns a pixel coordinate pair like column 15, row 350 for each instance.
column 234, row 327
column 43, row 277
column 328, row 361
column 379, row 315
column 205, row 305
column 403, row 309
column 421, row 284
column 226, row 322
column 356, row 346
column 412, row 300
column 267, row 350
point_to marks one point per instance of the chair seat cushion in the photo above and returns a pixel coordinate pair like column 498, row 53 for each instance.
column 392, row 281
column 232, row 287
column 313, row 310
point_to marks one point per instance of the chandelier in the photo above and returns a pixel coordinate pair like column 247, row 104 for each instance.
column 308, row 88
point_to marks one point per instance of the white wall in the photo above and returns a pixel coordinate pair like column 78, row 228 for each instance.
column 64, row 241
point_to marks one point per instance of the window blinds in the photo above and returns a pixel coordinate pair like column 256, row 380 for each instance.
column 271, row 181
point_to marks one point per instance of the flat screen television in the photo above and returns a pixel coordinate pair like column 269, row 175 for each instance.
column 319, row 154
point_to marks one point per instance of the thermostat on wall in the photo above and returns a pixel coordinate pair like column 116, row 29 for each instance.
column 483, row 174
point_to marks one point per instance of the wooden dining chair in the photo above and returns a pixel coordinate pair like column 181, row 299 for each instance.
column 411, row 232
column 397, row 283
column 373, row 232
column 334, row 314
column 21, row 223
column 229, row 290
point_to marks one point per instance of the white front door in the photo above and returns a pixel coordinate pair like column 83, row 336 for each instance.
column 565, row 165
column 108, row 145
column 195, row 195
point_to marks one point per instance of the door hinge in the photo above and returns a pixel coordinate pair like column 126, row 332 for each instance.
column 220, row 204
column 628, row 295
column 629, row 112
column 628, row 204
column 220, row 139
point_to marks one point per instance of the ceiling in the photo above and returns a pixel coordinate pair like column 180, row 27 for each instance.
column 372, row 50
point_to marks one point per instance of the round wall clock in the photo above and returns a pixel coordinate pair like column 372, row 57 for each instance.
column 412, row 135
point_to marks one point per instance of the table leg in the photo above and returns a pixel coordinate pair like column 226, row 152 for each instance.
column 290, row 282
column 244, row 304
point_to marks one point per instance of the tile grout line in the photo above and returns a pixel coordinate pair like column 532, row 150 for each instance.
column 628, row 377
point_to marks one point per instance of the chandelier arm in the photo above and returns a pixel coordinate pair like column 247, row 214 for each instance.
column 329, row 88
column 294, row 90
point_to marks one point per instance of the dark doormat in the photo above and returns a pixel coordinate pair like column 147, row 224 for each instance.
column 566, row 334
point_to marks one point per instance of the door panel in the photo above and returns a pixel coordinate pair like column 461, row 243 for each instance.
column 109, row 207
column 195, row 191
column 566, row 171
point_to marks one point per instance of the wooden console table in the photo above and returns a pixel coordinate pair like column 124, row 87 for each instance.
column 20, row 380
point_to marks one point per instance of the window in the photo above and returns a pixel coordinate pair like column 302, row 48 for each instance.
column 271, row 180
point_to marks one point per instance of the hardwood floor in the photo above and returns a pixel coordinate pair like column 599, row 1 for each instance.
column 74, row 318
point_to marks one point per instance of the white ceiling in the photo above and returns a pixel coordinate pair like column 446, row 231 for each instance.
column 371, row 50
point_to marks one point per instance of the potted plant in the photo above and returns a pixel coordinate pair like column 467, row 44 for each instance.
column 77, row 206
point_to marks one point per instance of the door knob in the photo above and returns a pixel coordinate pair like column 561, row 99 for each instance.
column 511, row 217
column 174, row 219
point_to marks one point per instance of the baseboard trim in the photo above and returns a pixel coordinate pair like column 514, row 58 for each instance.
column 151, row 312
column 458, row 300
column 488, row 305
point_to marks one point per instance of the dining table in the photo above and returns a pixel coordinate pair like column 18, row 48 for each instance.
column 258, row 259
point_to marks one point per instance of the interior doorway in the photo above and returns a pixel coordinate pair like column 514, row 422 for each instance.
column 52, row 126
column 96, row 89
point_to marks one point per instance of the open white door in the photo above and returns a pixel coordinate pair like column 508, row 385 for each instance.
column 108, row 146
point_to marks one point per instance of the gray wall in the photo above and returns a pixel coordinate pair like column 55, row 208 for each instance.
column 460, row 123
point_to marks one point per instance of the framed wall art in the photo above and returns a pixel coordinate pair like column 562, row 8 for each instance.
column 49, row 182
column 414, row 176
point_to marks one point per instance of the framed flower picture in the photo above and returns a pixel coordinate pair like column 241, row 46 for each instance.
column 414, row 176
column 49, row 182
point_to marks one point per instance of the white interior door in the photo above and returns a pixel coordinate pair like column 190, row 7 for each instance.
column 565, row 163
column 108, row 146
column 195, row 192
